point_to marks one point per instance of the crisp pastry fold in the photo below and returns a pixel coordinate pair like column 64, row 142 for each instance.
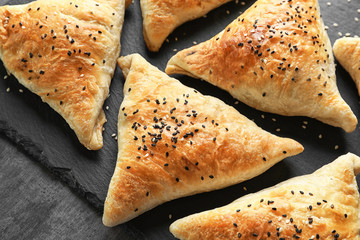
column 276, row 57
column 322, row 205
column 174, row 142
column 161, row 17
column 347, row 52
column 65, row 52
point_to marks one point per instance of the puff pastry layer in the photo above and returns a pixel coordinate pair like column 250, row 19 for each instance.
column 161, row 17
column 347, row 52
column 65, row 52
column 276, row 57
column 322, row 205
column 174, row 141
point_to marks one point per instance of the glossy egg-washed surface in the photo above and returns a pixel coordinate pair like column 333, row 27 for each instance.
column 347, row 52
column 175, row 142
column 162, row 17
column 65, row 51
column 276, row 57
column 49, row 139
column 323, row 205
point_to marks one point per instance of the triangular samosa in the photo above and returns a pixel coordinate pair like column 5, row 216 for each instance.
column 276, row 57
column 65, row 52
column 347, row 52
column 174, row 142
column 161, row 17
column 322, row 205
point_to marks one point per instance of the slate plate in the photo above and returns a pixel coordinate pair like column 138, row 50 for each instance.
column 45, row 136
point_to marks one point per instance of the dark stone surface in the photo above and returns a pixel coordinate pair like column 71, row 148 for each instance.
column 37, row 206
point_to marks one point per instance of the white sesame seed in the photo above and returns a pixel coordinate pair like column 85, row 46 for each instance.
column 167, row 40
column 107, row 107
column 340, row 34
column 320, row 136
column 21, row 91
column 115, row 138
column 303, row 126
column 242, row 3
column 356, row 19
column 82, row 75
column 326, row 28
column 6, row 76
column 175, row 50
column 274, row 119
column 305, row 122
column 335, row 24
column 245, row 189
column 113, row 135
column 262, row 116
column 8, row 89
column 358, row 10
column 336, row 147
column 176, row 39
column 237, row 102
column 227, row 12
column 194, row 42
column 103, row 129
column 347, row 34
column 328, row 3
column 170, row 216
column 278, row 129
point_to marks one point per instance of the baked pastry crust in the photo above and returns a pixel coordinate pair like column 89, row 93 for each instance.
column 161, row 17
column 347, row 52
column 322, row 205
column 65, row 52
column 174, row 142
column 276, row 57
column 128, row 3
